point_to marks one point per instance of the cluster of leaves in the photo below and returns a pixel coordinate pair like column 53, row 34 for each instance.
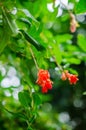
column 27, row 26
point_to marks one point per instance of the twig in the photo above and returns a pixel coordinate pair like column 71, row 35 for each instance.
column 34, row 58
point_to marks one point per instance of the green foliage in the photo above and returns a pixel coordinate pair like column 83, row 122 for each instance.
column 36, row 99
column 80, row 6
column 24, row 98
column 82, row 42
column 34, row 35
column 32, row 40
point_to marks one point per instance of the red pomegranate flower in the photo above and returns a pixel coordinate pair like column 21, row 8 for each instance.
column 44, row 80
column 43, row 74
column 71, row 77
column 44, row 89
column 73, row 28
column 73, row 23
column 63, row 76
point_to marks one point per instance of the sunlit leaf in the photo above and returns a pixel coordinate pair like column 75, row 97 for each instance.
column 80, row 7
column 82, row 42
column 73, row 60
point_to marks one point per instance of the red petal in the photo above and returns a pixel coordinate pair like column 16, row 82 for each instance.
column 63, row 76
column 73, row 79
column 44, row 89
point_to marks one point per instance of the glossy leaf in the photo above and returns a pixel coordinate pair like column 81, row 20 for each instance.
column 32, row 41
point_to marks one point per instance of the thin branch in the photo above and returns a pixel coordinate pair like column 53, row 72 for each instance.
column 58, row 64
column 34, row 58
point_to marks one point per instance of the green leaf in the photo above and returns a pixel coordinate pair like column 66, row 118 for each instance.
column 73, row 71
column 10, row 22
column 80, row 7
column 26, row 21
column 31, row 40
column 73, row 60
column 28, row 14
column 82, row 42
column 63, row 38
column 24, row 98
column 15, row 115
column 36, row 99
column 4, row 39
column 56, row 53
